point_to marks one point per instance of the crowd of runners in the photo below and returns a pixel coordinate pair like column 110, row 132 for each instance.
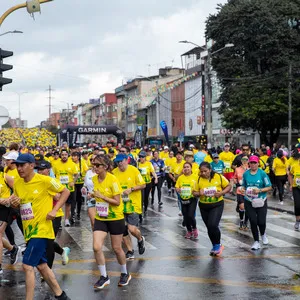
column 43, row 189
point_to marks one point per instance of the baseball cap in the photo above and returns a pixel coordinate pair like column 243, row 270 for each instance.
column 111, row 150
column 253, row 158
column 226, row 144
column 192, row 146
column 39, row 157
column 142, row 154
column 215, row 155
column 166, row 147
column 120, row 157
column 188, row 153
column 25, row 158
column 43, row 164
column 11, row 155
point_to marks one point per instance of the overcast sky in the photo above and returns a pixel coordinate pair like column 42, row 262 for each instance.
column 84, row 48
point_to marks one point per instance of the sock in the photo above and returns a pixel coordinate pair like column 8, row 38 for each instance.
column 124, row 269
column 241, row 213
column 102, row 270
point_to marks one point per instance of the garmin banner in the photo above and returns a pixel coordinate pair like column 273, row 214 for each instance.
column 164, row 128
column 69, row 133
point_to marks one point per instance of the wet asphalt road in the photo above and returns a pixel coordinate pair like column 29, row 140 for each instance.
column 175, row 268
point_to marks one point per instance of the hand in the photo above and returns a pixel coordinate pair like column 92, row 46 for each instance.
column 291, row 188
column 156, row 181
column 71, row 184
column 14, row 200
column 178, row 190
column 201, row 192
column 256, row 190
column 242, row 190
column 5, row 202
column 56, row 197
column 218, row 194
column 51, row 215
column 97, row 194
column 89, row 196
column 127, row 191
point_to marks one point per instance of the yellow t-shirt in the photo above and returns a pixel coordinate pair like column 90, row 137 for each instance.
column 4, row 188
column 146, row 169
column 128, row 179
column 187, row 185
column 195, row 169
column 168, row 163
column 109, row 187
column 65, row 173
column 163, row 155
column 176, row 168
column 227, row 158
column 295, row 171
column 208, row 159
column 12, row 173
column 279, row 167
column 291, row 161
column 216, row 184
column 149, row 157
column 263, row 163
column 84, row 168
column 36, row 201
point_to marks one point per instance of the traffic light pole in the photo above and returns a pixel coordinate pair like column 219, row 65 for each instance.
column 16, row 7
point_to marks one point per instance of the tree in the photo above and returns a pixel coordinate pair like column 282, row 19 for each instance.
column 254, row 74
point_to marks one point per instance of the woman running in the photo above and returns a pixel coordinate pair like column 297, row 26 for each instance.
column 211, row 188
column 280, row 171
column 185, row 185
column 255, row 185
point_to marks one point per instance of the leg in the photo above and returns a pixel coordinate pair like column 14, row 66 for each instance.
column 92, row 214
column 262, row 218
column 279, row 187
column 191, row 213
column 253, row 219
column 50, row 253
column 73, row 203
column 98, row 242
column 214, row 218
column 153, row 191
column 116, row 243
column 29, row 281
column 159, row 186
column 67, row 211
column 146, row 193
column 185, row 213
column 296, row 196
column 78, row 199
column 135, row 231
column 2, row 230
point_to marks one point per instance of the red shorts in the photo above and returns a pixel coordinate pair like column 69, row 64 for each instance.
column 229, row 175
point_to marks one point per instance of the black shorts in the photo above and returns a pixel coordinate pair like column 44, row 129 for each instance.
column 113, row 227
column 4, row 213
column 240, row 198
column 132, row 219
column 71, row 198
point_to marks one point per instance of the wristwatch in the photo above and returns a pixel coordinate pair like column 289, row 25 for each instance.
column 132, row 189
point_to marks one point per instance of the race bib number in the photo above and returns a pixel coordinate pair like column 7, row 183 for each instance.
column 156, row 169
column 227, row 164
column 210, row 191
column 64, row 179
column 186, row 192
column 250, row 191
column 168, row 169
column 26, row 212
column 143, row 171
column 297, row 180
column 102, row 209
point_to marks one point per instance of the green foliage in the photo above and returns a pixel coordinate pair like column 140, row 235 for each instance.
column 254, row 73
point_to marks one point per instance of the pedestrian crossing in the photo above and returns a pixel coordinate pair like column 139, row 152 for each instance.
column 171, row 235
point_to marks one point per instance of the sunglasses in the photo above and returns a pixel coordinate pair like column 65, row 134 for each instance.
column 253, row 162
column 122, row 151
column 98, row 165
column 245, row 149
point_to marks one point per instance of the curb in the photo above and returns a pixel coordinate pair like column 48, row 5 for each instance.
column 272, row 207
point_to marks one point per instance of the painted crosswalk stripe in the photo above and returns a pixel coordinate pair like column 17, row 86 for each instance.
column 272, row 240
column 157, row 212
column 174, row 238
column 283, row 230
column 83, row 238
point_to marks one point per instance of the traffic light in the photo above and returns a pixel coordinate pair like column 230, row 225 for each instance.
column 4, row 67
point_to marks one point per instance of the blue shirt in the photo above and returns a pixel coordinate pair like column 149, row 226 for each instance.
column 158, row 166
column 199, row 157
column 218, row 167
column 258, row 180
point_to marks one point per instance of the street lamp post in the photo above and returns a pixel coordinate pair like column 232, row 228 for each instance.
column 19, row 102
column 208, row 83
column 14, row 31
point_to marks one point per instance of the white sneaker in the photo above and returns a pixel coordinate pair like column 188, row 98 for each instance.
column 265, row 239
column 67, row 223
column 296, row 226
column 280, row 202
column 65, row 256
column 255, row 246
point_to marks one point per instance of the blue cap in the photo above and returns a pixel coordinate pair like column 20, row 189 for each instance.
column 25, row 158
column 120, row 157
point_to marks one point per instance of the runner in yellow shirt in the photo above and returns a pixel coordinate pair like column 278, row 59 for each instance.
column 164, row 154
column 109, row 219
column 228, row 157
column 168, row 163
column 132, row 183
column 34, row 194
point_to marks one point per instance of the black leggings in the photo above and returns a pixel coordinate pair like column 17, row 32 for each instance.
column 188, row 211
column 158, row 186
column 170, row 182
column 52, row 246
column 78, row 196
column 280, row 182
column 14, row 215
column 257, row 217
column 145, row 195
column 296, row 196
column 211, row 215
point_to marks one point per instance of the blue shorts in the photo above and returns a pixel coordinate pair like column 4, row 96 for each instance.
column 35, row 253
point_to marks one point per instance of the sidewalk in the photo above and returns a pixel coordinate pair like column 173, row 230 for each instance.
column 287, row 207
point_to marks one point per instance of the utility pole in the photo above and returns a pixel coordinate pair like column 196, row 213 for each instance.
column 50, row 98
column 208, row 99
column 290, row 109
column 157, row 110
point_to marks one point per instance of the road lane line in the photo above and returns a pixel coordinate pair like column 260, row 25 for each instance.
column 278, row 243
column 283, row 230
column 157, row 212
column 174, row 238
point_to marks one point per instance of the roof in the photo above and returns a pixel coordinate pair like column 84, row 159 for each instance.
column 195, row 50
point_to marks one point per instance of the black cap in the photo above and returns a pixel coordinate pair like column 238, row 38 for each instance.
column 39, row 157
column 43, row 164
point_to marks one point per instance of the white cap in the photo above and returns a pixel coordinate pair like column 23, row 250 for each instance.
column 166, row 147
column 11, row 155
column 192, row 146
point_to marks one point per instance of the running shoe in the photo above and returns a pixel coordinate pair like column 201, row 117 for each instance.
column 160, row 204
column 280, row 202
column 169, row 192
column 141, row 246
column 102, row 282
column 188, row 235
column 265, row 239
column 130, row 255
column 180, row 214
column 145, row 213
column 124, row 279
column 63, row 296
column 6, row 253
column 1, row 271
column 212, row 251
column 297, row 225
column 72, row 221
column 219, row 249
column 67, row 223
column 255, row 246
column 241, row 224
column 14, row 254
column 65, row 256
column 195, row 233
column 78, row 217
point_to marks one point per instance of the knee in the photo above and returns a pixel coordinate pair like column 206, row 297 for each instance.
column 27, row 268
column 42, row 267
column 97, row 248
column 117, row 249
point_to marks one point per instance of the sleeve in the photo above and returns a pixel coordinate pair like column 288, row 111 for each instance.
column 266, row 179
column 75, row 170
column 292, row 170
column 196, row 185
column 178, row 182
column 53, row 186
column 139, row 177
column 244, row 180
column 115, row 186
column 224, row 182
